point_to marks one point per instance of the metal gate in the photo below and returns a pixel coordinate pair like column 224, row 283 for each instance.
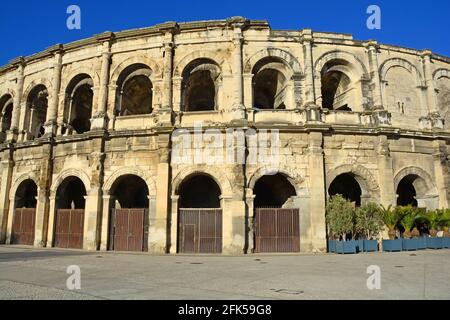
column 23, row 226
column 276, row 230
column 69, row 228
column 129, row 230
column 200, row 231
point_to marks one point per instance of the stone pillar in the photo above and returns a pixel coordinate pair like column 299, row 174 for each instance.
column 165, row 112
column 173, row 225
column 317, row 231
column 15, row 121
column 50, row 124
column 7, row 165
column 43, row 204
column 105, row 222
column 385, row 173
column 158, row 240
column 431, row 95
column 372, row 50
column 441, row 172
column 51, row 220
column 100, row 117
column 249, row 199
column 233, row 225
column 307, row 41
column 238, row 109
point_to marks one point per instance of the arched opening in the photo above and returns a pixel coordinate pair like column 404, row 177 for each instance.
column 69, row 220
column 410, row 189
column 24, row 213
column 276, row 216
column 134, row 91
column 79, row 100
column 36, row 111
column 200, row 84
column 6, row 108
column 336, row 87
column 200, row 216
column 270, row 85
column 129, row 214
column 347, row 186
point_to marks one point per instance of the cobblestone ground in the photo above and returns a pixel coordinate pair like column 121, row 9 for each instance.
column 27, row 273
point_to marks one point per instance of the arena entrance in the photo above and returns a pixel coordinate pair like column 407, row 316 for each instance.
column 407, row 190
column 200, row 216
column 24, row 213
column 347, row 186
column 276, row 222
column 129, row 215
column 69, row 222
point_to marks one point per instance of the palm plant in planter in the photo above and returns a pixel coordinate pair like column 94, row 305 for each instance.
column 369, row 223
column 391, row 218
column 408, row 221
column 339, row 218
column 433, row 220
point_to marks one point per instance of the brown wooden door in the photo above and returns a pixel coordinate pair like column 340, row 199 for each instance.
column 23, row 226
column 277, row 230
column 200, row 231
column 69, row 228
column 130, row 230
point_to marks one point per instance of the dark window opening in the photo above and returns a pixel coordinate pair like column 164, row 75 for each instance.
column 36, row 113
column 71, row 194
column 26, row 195
column 347, row 186
column 199, row 191
column 269, row 89
column 406, row 192
column 82, row 109
column 273, row 191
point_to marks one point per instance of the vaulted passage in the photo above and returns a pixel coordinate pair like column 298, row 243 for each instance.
column 24, row 213
column 276, row 217
column 200, row 84
column 347, row 186
column 129, row 215
column 200, row 216
column 336, row 86
column 409, row 188
column 269, row 84
column 69, row 220
column 79, row 100
column 36, row 111
column 6, row 108
column 134, row 91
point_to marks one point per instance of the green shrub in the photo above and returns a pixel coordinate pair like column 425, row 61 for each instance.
column 340, row 216
column 369, row 220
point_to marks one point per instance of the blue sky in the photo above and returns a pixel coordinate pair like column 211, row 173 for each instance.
column 27, row 27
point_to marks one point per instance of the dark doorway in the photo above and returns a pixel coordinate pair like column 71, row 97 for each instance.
column 347, row 186
column 406, row 192
column 24, row 213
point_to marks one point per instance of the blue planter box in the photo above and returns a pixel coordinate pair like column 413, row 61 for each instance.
column 344, row 247
column 331, row 245
column 410, row 244
column 446, row 242
column 422, row 243
column 392, row 245
column 370, row 246
column 435, row 243
column 359, row 245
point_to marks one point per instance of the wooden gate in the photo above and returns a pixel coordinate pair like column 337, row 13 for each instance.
column 23, row 226
column 200, row 231
column 276, row 230
column 69, row 228
column 129, row 230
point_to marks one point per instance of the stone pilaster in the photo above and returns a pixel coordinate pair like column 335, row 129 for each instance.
column 173, row 225
column 50, row 124
column 307, row 41
column 385, row 173
column 316, row 171
column 15, row 121
column 372, row 51
column 100, row 117
column 7, row 166
column 441, row 172
column 165, row 112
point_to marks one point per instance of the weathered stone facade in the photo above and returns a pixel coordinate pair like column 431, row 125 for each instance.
column 378, row 113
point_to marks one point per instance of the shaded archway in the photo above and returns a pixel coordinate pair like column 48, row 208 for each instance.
column 276, row 215
column 336, row 87
column 69, row 220
column 201, row 79
column 346, row 185
column 129, row 214
column 36, row 111
column 78, row 104
column 6, row 109
column 270, row 85
column 199, row 216
column 134, row 91
column 25, row 201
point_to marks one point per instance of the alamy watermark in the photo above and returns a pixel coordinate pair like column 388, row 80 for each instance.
column 73, row 21
column 374, row 20
column 73, row 282
column 374, row 280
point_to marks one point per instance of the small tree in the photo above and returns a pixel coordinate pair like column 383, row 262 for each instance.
column 369, row 220
column 340, row 216
column 390, row 218
column 409, row 216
